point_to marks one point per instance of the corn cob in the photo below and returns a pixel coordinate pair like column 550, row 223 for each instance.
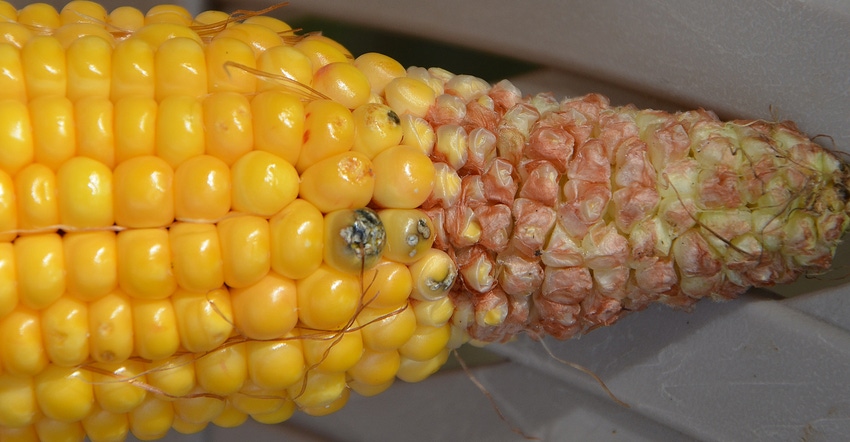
column 209, row 218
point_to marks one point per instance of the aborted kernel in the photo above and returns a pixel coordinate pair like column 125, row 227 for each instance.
column 267, row 309
column 65, row 327
column 196, row 256
column 111, row 328
column 297, row 239
column 404, row 177
column 343, row 181
column 40, row 262
column 16, row 136
column 263, row 183
column 204, row 319
column 144, row 263
column 377, row 127
column 64, row 393
column 379, row 70
column 179, row 129
column 434, row 313
column 228, row 126
column 328, row 299
column 328, row 130
column 409, row 96
column 84, row 193
column 245, row 247
column 154, row 328
column 143, row 190
column 202, row 189
column 343, row 83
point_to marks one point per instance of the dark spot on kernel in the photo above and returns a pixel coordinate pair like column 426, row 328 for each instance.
column 393, row 117
column 365, row 236
column 306, row 136
column 423, row 229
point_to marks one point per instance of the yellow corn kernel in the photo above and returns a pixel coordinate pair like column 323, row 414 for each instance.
column 12, row 85
column 133, row 70
column 317, row 389
column 412, row 370
column 326, row 409
column 43, row 60
column 16, row 34
column 144, row 263
column 252, row 399
column 433, row 275
column 433, row 313
column 19, row 434
column 410, row 232
column 154, row 328
column 331, row 352
column 17, row 401
column 64, row 393
column 409, row 96
column 54, row 430
column 275, row 365
column 284, row 61
column 228, row 126
column 386, row 329
column 22, row 352
column 222, row 371
column 354, row 240
column 388, row 285
column 245, row 246
column 125, row 19
column 375, row 367
column 426, row 342
column 37, row 206
column 40, row 266
column 215, row 20
column 368, row 390
column 230, row 417
column 280, row 415
column 222, row 75
column 54, row 132
column 117, row 386
column 143, row 189
column 89, row 61
column 174, row 377
column 257, row 37
column 263, row 183
column 328, row 131
column 204, row 320
column 179, row 129
column 377, row 127
column 111, row 328
column 155, row 34
column 103, row 426
column 343, row 83
column 297, row 239
column 328, row 299
column 320, row 52
column 379, row 70
column 272, row 23
column 278, row 124
column 95, row 129
column 134, row 127
column 181, row 69
column 40, row 16
column 404, row 177
column 343, row 181
column 8, row 209
column 152, row 418
column 167, row 13
column 184, row 427
column 196, row 256
column 15, row 136
column 8, row 11
column 65, row 328
column 202, row 189
column 84, row 192
column 267, row 309
column 8, row 280
column 196, row 408
column 69, row 33
column 80, row 11
column 90, row 264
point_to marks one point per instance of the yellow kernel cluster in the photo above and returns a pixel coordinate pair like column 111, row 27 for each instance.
column 180, row 202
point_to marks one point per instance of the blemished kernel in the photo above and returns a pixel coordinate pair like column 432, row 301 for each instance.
column 375, row 367
column 154, row 328
column 409, row 96
column 275, row 365
column 284, row 61
column 125, row 19
column 411, row 370
column 328, row 131
column 317, row 388
column 228, row 126
column 45, row 70
column 119, row 391
column 263, row 183
column 404, row 177
column 328, row 298
column 222, row 371
column 8, row 208
column 174, row 376
column 55, row 430
column 386, row 329
column 40, row 262
column 332, row 407
column 388, row 284
column 8, row 280
column 80, row 11
column 198, row 409
column 89, row 61
column 37, row 205
column 410, row 232
column 245, row 244
column 202, row 189
column 278, row 124
column 111, row 328
column 95, row 129
column 377, row 127
column 379, row 70
column 181, row 69
column 134, row 130
column 331, row 352
column 353, row 240
column 101, row 425
column 17, row 401
column 343, row 181
column 64, row 393
column 196, row 256
column 143, row 190
column 84, row 193
column 226, row 77
column 144, row 263
column 433, row 313
column 204, row 320
column 280, row 415
column 433, row 275
column 54, row 133
column 297, row 239
column 23, row 351
column 168, row 14
column 267, row 309
column 343, row 83
column 179, row 129
column 132, row 70
column 16, row 136
column 320, row 53
column 152, row 418
column 65, row 328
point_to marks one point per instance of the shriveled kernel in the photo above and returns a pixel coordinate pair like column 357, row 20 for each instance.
column 331, row 352
column 173, row 376
column 410, row 232
column 89, row 61
column 8, row 209
column 277, row 364
column 297, row 239
column 224, row 56
column 8, row 279
column 143, row 190
column 155, row 334
column 134, row 127
column 328, row 298
column 375, row 367
column 320, row 53
column 45, row 69
column 179, row 129
column 16, row 136
column 65, row 328
column 37, row 204
column 318, row 389
column 412, row 370
column 388, row 285
column 278, row 124
column 144, row 263
column 263, row 183
column 343, row 181
column 204, row 320
column 84, row 192
column 387, row 329
column 95, row 129
column 228, row 126
column 118, row 386
column 328, row 130
column 196, row 256
column 222, row 371
column 17, row 401
column 40, row 262
column 133, row 70
column 64, row 393
column 245, row 246
column 379, row 70
column 343, row 83
column 353, row 240
column 111, row 328
column 287, row 62
column 409, row 96
column 202, row 189
column 54, row 131
column 267, row 309
column 152, row 418
column 434, row 275
column 404, row 177
column 377, row 127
